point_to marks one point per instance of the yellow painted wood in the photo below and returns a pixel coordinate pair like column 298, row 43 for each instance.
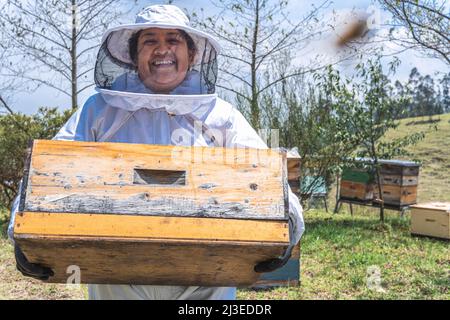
column 154, row 227
column 356, row 190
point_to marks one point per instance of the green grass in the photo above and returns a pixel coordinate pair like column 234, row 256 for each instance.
column 13, row 286
column 336, row 250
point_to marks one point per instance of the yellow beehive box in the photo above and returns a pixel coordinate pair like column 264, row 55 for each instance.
column 431, row 219
column 152, row 214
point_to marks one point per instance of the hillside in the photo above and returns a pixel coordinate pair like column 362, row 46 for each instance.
column 434, row 153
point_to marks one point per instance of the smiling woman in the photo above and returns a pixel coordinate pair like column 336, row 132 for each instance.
column 156, row 85
column 167, row 56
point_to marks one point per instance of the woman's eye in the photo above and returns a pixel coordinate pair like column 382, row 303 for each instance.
column 150, row 42
column 173, row 41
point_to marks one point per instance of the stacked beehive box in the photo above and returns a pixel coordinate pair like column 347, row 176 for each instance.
column 150, row 214
column 293, row 168
column 357, row 184
column 399, row 181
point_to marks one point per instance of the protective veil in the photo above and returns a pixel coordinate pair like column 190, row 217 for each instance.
column 124, row 110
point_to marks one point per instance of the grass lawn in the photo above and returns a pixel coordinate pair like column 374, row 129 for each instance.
column 14, row 286
column 337, row 251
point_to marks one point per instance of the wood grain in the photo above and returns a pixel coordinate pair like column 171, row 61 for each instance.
column 89, row 177
column 398, row 195
column 399, row 180
column 111, row 209
column 356, row 190
column 391, row 169
column 152, row 262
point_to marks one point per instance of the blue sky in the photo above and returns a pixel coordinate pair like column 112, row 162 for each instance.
column 27, row 102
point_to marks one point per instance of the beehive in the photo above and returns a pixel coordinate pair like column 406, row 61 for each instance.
column 431, row 219
column 357, row 184
column 293, row 168
column 399, row 181
column 151, row 214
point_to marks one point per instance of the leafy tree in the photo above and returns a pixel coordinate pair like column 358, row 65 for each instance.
column 16, row 130
column 444, row 93
column 332, row 120
column 373, row 111
column 307, row 114
column 427, row 96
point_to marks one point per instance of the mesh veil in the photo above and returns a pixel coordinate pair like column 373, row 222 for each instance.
column 108, row 68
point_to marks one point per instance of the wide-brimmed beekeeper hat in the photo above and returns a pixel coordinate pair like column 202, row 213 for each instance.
column 115, row 51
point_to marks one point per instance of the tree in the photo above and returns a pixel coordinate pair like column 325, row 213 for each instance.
column 427, row 23
column 370, row 111
column 6, row 87
column 444, row 96
column 16, row 130
column 52, row 43
column 308, row 115
column 254, row 35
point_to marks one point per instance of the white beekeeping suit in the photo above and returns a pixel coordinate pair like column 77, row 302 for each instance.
column 125, row 110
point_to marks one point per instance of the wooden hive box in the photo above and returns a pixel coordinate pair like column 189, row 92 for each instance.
column 431, row 219
column 398, row 195
column 293, row 168
column 399, row 181
column 150, row 214
column 356, row 184
column 399, row 168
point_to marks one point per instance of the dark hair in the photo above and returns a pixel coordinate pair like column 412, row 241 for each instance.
column 133, row 44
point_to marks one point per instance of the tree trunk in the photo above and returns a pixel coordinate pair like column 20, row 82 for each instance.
column 378, row 176
column 380, row 191
column 73, row 56
column 254, row 107
column 338, row 191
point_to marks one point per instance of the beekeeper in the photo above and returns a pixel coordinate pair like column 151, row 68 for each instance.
column 156, row 83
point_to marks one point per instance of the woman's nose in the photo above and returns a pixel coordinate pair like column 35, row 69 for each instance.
column 162, row 48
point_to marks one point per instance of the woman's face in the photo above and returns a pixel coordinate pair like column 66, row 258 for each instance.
column 163, row 59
